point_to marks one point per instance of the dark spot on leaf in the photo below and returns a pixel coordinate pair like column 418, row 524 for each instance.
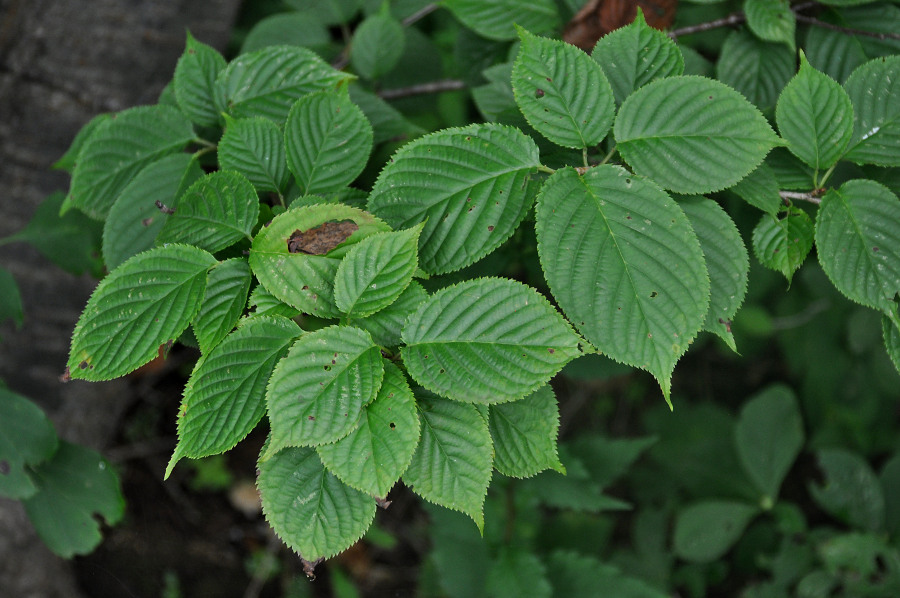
column 628, row 217
column 653, row 294
column 538, row 93
column 146, row 221
column 875, row 249
column 727, row 324
column 442, row 370
column 549, row 79
column 321, row 239
column 709, row 97
column 393, row 426
column 5, row 468
column 311, row 418
column 83, row 365
column 304, row 288
column 627, row 181
column 552, row 350
column 346, row 414
column 333, row 362
column 490, row 229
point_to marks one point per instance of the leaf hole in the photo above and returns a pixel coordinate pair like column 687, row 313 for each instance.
column 653, row 295
column 442, row 371
column 490, row 229
column 552, row 350
column 327, row 368
column 305, row 288
column 393, row 426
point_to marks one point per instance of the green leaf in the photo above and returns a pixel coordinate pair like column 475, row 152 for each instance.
column 134, row 221
column 858, row 242
column 264, row 302
column 374, row 455
column 254, row 147
column 624, row 264
column 518, row 572
column 319, row 388
column 608, row 459
column 768, row 437
column 214, row 213
column 376, row 271
column 635, row 55
column 452, row 464
column 308, row 507
column 69, row 160
column 756, row 68
column 268, row 81
column 851, row 492
column 575, row 575
column 771, row 20
column 524, row 434
column 195, row 81
column 227, row 286
column 386, row 324
column 387, row 122
column 705, row 531
column 119, row 149
column 469, row 185
column 874, row 91
column 488, row 340
column 328, row 141
column 575, row 490
column 726, row 262
column 76, row 488
column 10, row 299
column 27, row 438
column 790, row 171
column 760, row 190
column 146, row 302
column 891, row 335
column 300, row 280
column 781, row 243
column 691, row 134
column 563, row 94
column 377, row 46
column 291, row 29
column 330, row 12
column 224, row 398
column 815, row 117
column 834, row 52
column 496, row 20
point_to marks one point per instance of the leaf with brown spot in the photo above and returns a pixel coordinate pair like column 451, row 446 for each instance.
column 321, row 239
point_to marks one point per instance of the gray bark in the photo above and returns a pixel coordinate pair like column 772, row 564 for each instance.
column 62, row 62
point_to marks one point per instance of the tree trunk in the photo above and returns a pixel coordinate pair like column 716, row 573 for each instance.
column 62, row 62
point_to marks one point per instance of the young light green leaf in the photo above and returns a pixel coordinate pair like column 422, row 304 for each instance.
column 815, row 117
column 267, row 82
column 311, row 510
column 452, row 464
column 781, row 243
column 760, row 190
column 624, row 264
column 302, row 280
column 891, row 334
column 195, row 81
column 771, row 20
column 496, row 20
column 636, row 54
column 254, row 147
column 77, row 488
column 874, row 90
column 563, row 94
column 469, row 185
column 119, row 148
column 214, row 213
column 691, row 134
column 488, row 340
column 227, row 286
column 68, row 160
column 225, row 396
column 27, row 438
column 524, row 434
column 851, row 491
column 377, row 46
column 518, row 572
column 146, row 302
column 768, row 437
column 705, row 531
column 318, row 390
column 374, row 455
column 858, row 242
column 376, row 271
column 756, row 68
column 134, row 221
column 386, row 324
column 328, row 141
column 726, row 262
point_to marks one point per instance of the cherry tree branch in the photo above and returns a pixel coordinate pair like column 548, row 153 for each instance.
column 422, row 88
column 796, row 196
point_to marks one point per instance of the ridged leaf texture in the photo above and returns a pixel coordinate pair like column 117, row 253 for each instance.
column 312, row 511
column 781, row 243
column 385, row 325
column 27, row 438
column 488, row 340
column 119, row 148
column 891, row 335
column 376, row 271
column 262, row 302
column 225, row 398
column 215, row 212
column 144, row 303
column 452, row 464
column 469, row 185
column 858, row 243
column 624, row 265
column 771, row 20
column 254, row 147
column 563, row 94
column 195, row 81
column 874, row 90
column 494, row 20
column 226, row 294
column 760, row 190
column 636, row 54
column 303, row 281
column 691, row 134
column 815, row 117
column 318, row 390
column 328, row 141
column 68, row 160
column 378, row 44
column 756, row 68
column 374, row 455
column 524, row 434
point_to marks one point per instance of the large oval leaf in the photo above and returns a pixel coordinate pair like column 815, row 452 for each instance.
column 707, row 530
column 146, row 302
column 757, row 69
column 691, row 134
column 195, row 80
column 524, row 434
column 469, row 185
column 254, row 147
column 624, row 264
column 488, row 340
column 874, row 90
column 782, row 242
column 377, row 46
column 771, row 20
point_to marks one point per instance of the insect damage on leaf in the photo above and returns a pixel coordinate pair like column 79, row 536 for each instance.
column 321, row 239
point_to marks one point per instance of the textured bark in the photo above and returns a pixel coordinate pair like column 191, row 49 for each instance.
column 62, row 62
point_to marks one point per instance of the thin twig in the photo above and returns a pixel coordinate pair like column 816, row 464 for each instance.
column 343, row 59
column 420, row 14
column 794, row 195
column 422, row 88
column 732, row 19
column 846, row 30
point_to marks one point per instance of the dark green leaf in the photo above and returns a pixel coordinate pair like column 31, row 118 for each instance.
column 874, row 91
column 254, row 147
column 781, row 243
column 518, row 572
column 27, row 438
column 10, row 299
column 227, row 286
column 291, row 28
column 195, row 81
column 851, row 491
column 756, row 68
column 705, row 531
column 760, row 190
column 68, row 161
column 495, row 20
column 377, row 46
column 771, row 20
column 385, row 325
